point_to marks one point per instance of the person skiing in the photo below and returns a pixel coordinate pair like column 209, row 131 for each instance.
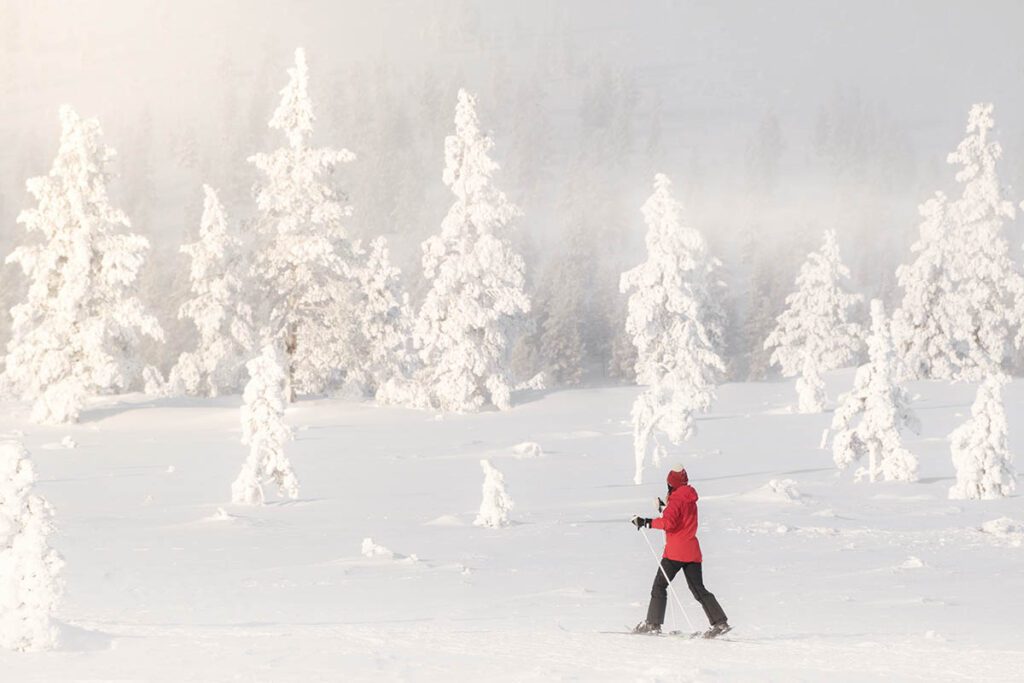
column 682, row 553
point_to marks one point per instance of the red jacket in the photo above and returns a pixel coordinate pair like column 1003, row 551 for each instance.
column 679, row 521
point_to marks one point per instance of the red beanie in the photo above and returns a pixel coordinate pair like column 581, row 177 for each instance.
column 677, row 477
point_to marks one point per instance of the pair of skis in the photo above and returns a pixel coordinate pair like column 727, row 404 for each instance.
column 685, row 635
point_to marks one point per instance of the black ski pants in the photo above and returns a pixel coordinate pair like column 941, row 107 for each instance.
column 694, row 581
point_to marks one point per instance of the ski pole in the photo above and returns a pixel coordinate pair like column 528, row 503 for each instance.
column 671, row 588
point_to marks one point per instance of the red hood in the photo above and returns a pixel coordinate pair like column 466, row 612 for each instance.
column 686, row 494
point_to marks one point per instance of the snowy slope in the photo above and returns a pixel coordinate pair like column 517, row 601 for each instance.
column 823, row 578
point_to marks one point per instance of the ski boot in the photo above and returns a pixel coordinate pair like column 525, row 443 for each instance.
column 647, row 629
column 717, row 630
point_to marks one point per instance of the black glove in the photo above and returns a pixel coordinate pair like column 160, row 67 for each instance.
column 661, row 505
column 640, row 522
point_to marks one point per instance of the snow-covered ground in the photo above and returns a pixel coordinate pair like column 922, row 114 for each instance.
column 823, row 579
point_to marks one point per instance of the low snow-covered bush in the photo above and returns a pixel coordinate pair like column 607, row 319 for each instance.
column 496, row 502
column 265, row 432
column 785, row 489
column 371, row 549
column 981, row 454
column 30, row 583
column 528, row 449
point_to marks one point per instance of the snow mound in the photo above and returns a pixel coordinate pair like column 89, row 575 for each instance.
column 1006, row 529
column 776, row 491
column 762, row 528
column 528, row 449
column 785, row 489
column 221, row 515
column 911, row 562
column 66, row 443
column 371, row 549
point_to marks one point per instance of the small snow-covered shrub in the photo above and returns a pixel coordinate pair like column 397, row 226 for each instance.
column 265, row 431
column 785, row 489
column 528, row 449
column 30, row 583
column 870, row 418
column 538, row 382
column 153, row 382
column 60, row 402
column 496, row 502
column 981, row 454
column 371, row 549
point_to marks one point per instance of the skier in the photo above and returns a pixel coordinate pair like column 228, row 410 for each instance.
column 682, row 552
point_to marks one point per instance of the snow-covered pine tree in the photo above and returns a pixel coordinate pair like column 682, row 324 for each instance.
column 30, row 582
column 496, row 503
column 474, row 306
column 304, row 258
column 923, row 325
column 991, row 285
column 964, row 295
column 676, row 324
column 264, row 431
column 218, row 308
column 817, row 331
column 385, row 325
column 78, row 331
column 870, row 418
column 984, row 465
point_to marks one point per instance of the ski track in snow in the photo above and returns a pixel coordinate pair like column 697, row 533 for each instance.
column 827, row 580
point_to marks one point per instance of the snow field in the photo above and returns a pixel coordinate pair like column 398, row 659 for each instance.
column 166, row 581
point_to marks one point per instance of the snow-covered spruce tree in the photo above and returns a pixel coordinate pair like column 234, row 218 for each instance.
column 304, row 257
column 817, row 332
column 264, row 431
column 464, row 328
column 676, row 324
column 385, row 326
column 870, row 418
column 922, row 327
column 218, row 307
column 30, row 582
column 496, row 503
column 963, row 295
column 78, row 331
column 984, row 465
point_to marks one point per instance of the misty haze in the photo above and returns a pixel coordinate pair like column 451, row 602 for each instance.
column 404, row 340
